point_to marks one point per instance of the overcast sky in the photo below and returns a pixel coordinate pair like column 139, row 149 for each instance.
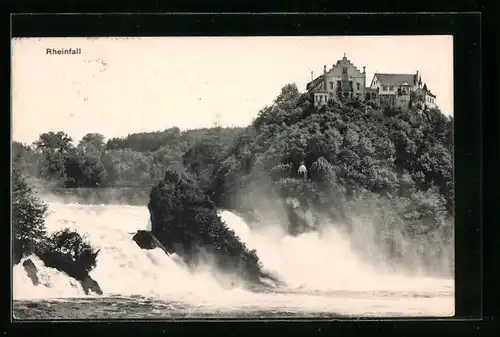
column 119, row 86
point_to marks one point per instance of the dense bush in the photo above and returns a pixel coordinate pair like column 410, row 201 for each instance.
column 74, row 247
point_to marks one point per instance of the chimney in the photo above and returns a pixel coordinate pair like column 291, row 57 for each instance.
column 312, row 76
column 364, row 69
column 324, row 78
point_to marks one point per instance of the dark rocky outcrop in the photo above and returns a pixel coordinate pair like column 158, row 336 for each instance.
column 32, row 271
column 89, row 284
column 144, row 240
column 60, row 262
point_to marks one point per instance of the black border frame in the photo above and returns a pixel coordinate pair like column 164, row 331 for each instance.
column 466, row 29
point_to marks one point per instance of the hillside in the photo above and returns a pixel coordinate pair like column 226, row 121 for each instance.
column 392, row 167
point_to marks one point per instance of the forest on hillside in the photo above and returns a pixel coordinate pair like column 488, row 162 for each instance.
column 391, row 166
column 136, row 160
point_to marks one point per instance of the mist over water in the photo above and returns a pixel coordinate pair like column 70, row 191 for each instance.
column 321, row 270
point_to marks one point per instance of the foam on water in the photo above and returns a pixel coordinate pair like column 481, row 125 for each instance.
column 314, row 263
column 325, row 261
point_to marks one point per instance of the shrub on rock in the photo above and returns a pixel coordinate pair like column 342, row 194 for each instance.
column 74, row 248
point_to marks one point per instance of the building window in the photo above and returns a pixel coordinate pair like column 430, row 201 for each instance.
column 338, row 85
column 357, row 86
column 331, row 85
column 391, row 88
column 344, row 70
column 384, row 88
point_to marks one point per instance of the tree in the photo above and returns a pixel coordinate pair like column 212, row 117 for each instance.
column 58, row 142
column 55, row 149
column 92, row 142
column 288, row 97
column 25, row 159
column 28, row 217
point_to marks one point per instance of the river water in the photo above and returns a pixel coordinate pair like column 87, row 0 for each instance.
column 324, row 276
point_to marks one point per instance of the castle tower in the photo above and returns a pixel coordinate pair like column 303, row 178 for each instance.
column 364, row 78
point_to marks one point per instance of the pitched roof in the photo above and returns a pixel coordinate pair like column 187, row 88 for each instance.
column 426, row 92
column 395, row 79
column 314, row 82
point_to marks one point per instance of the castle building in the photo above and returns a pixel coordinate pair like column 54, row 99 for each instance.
column 425, row 97
column 394, row 90
column 344, row 80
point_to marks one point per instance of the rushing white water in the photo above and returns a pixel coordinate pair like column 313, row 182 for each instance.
column 321, row 270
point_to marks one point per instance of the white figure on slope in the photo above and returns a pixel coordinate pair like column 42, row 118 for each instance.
column 302, row 171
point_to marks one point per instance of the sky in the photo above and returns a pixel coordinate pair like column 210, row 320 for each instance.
column 118, row 86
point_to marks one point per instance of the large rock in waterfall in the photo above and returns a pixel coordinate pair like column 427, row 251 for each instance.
column 144, row 240
column 186, row 222
column 60, row 262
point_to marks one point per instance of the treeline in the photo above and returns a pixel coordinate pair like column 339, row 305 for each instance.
column 136, row 160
